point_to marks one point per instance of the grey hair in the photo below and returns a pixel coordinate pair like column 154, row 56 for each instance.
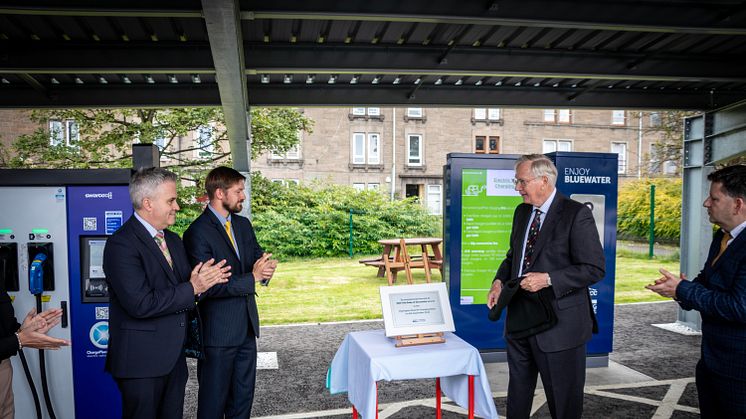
column 144, row 182
column 541, row 165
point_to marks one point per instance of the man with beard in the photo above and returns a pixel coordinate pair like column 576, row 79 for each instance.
column 230, row 321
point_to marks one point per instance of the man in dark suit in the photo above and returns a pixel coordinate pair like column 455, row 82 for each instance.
column 554, row 245
column 719, row 294
column 152, row 287
column 230, row 320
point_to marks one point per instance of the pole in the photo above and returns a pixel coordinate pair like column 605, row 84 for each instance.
column 639, row 146
column 652, row 222
column 393, row 153
column 350, row 233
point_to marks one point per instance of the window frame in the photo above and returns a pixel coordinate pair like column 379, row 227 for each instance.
column 420, row 157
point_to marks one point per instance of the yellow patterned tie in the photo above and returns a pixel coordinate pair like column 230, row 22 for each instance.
column 228, row 231
column 161, row 241
column 723, row 246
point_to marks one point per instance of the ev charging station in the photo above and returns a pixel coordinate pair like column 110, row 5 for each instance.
column 53, row 227
column 480, row 200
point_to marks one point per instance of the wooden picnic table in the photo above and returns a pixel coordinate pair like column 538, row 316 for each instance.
column 395, row 257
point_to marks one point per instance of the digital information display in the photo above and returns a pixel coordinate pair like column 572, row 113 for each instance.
column 488, row 201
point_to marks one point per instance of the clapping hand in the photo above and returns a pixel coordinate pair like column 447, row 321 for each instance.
column 207, row 274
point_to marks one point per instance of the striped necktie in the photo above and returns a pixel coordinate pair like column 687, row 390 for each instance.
column 533, row 234
column 228, row 231
column 723, row 246
column 160, row 239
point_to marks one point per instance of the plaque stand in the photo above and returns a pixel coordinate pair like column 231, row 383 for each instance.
column 419, row 339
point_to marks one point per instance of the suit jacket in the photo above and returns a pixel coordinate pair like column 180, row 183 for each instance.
column 148, row 303
column 719, row 294
column 227, row 310
column 8, row 326
column 568, row 248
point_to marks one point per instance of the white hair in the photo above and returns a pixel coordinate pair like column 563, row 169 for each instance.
column 541, row 165
column 144, row 182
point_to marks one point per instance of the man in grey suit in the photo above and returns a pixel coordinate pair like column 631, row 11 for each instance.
column 230, row 320
column 555, row 248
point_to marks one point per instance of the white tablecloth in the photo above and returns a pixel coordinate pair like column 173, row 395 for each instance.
column 369, row 356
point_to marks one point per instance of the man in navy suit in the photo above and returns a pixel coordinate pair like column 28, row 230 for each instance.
column 554, row 246
column 152, row 286
column 719, row 294
column 230, row 320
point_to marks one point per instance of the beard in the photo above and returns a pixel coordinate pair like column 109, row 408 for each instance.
column 233, row 209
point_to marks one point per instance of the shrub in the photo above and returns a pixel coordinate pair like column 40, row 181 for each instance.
column 314, row 220
column 634, row 209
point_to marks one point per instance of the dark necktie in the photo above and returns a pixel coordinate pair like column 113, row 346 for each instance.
column 533, row 234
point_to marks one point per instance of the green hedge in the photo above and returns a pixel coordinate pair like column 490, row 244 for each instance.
column 634, row 209
column 314, row 220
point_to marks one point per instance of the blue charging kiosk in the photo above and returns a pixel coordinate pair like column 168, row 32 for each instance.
column 479, row 203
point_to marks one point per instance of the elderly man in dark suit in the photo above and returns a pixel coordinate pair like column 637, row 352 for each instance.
column 230, row 320
column 719, row 294
column 152, row 287
column 555, row 248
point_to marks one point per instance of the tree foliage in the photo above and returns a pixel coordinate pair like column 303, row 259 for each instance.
column 634, row 209
column 669, row 128
column 105, row 137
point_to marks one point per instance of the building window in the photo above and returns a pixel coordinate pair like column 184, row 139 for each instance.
column 655, row 119
column 480, row 144
column 621, row 150
column 414, row 113
column 550, row 146
column 374, row 186
column 63, row 132
column 358, row 111
column 480, row 114
column 414, row 150
column 365, row 113
column 374, row 143
column 486, row 115
column 161, row 142
column 374, row 111
column 366, row 155
column 484, row 144
column 286, row 182
column 618, row 118
column 434, row 200
column 493, row 114
column 558, row 116
column 359, row 186
column 204, row 141
column 293, row 153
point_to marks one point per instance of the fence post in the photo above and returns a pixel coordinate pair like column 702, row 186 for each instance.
column 651, row 236
column 350, row 233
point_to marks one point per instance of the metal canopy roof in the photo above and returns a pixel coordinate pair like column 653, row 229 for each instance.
column 540, row 53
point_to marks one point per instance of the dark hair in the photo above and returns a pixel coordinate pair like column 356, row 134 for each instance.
column 733, row 179
column 144, row 182
column 223, row 178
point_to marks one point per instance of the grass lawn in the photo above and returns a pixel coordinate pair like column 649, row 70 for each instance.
column 339, row 289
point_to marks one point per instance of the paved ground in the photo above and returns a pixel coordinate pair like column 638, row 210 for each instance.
column 651, row 374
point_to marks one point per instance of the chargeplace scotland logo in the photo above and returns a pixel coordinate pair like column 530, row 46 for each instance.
column 99, row 335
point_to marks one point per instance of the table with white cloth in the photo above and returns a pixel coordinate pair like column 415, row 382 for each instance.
column 369, row 356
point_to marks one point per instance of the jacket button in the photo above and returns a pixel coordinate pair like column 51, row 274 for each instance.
column 181, row 324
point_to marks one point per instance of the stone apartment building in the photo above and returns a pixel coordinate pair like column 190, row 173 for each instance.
column 405, row 148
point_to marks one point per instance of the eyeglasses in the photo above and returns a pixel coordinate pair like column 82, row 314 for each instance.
column 522, row 182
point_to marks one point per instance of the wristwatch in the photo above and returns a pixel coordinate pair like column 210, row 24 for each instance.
column 549, row 280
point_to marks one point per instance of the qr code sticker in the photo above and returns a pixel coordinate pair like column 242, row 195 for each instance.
column 102, row 313
column 89, row 224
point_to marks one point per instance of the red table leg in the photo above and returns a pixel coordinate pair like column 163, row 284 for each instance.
column 376, row 399
column 438, row 413
column 354, row 412
column 471, row 397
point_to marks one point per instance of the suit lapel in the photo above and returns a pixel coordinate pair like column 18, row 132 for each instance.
column 222, row 233
column 519, row 239
column 550, row 221
column 142, row 234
